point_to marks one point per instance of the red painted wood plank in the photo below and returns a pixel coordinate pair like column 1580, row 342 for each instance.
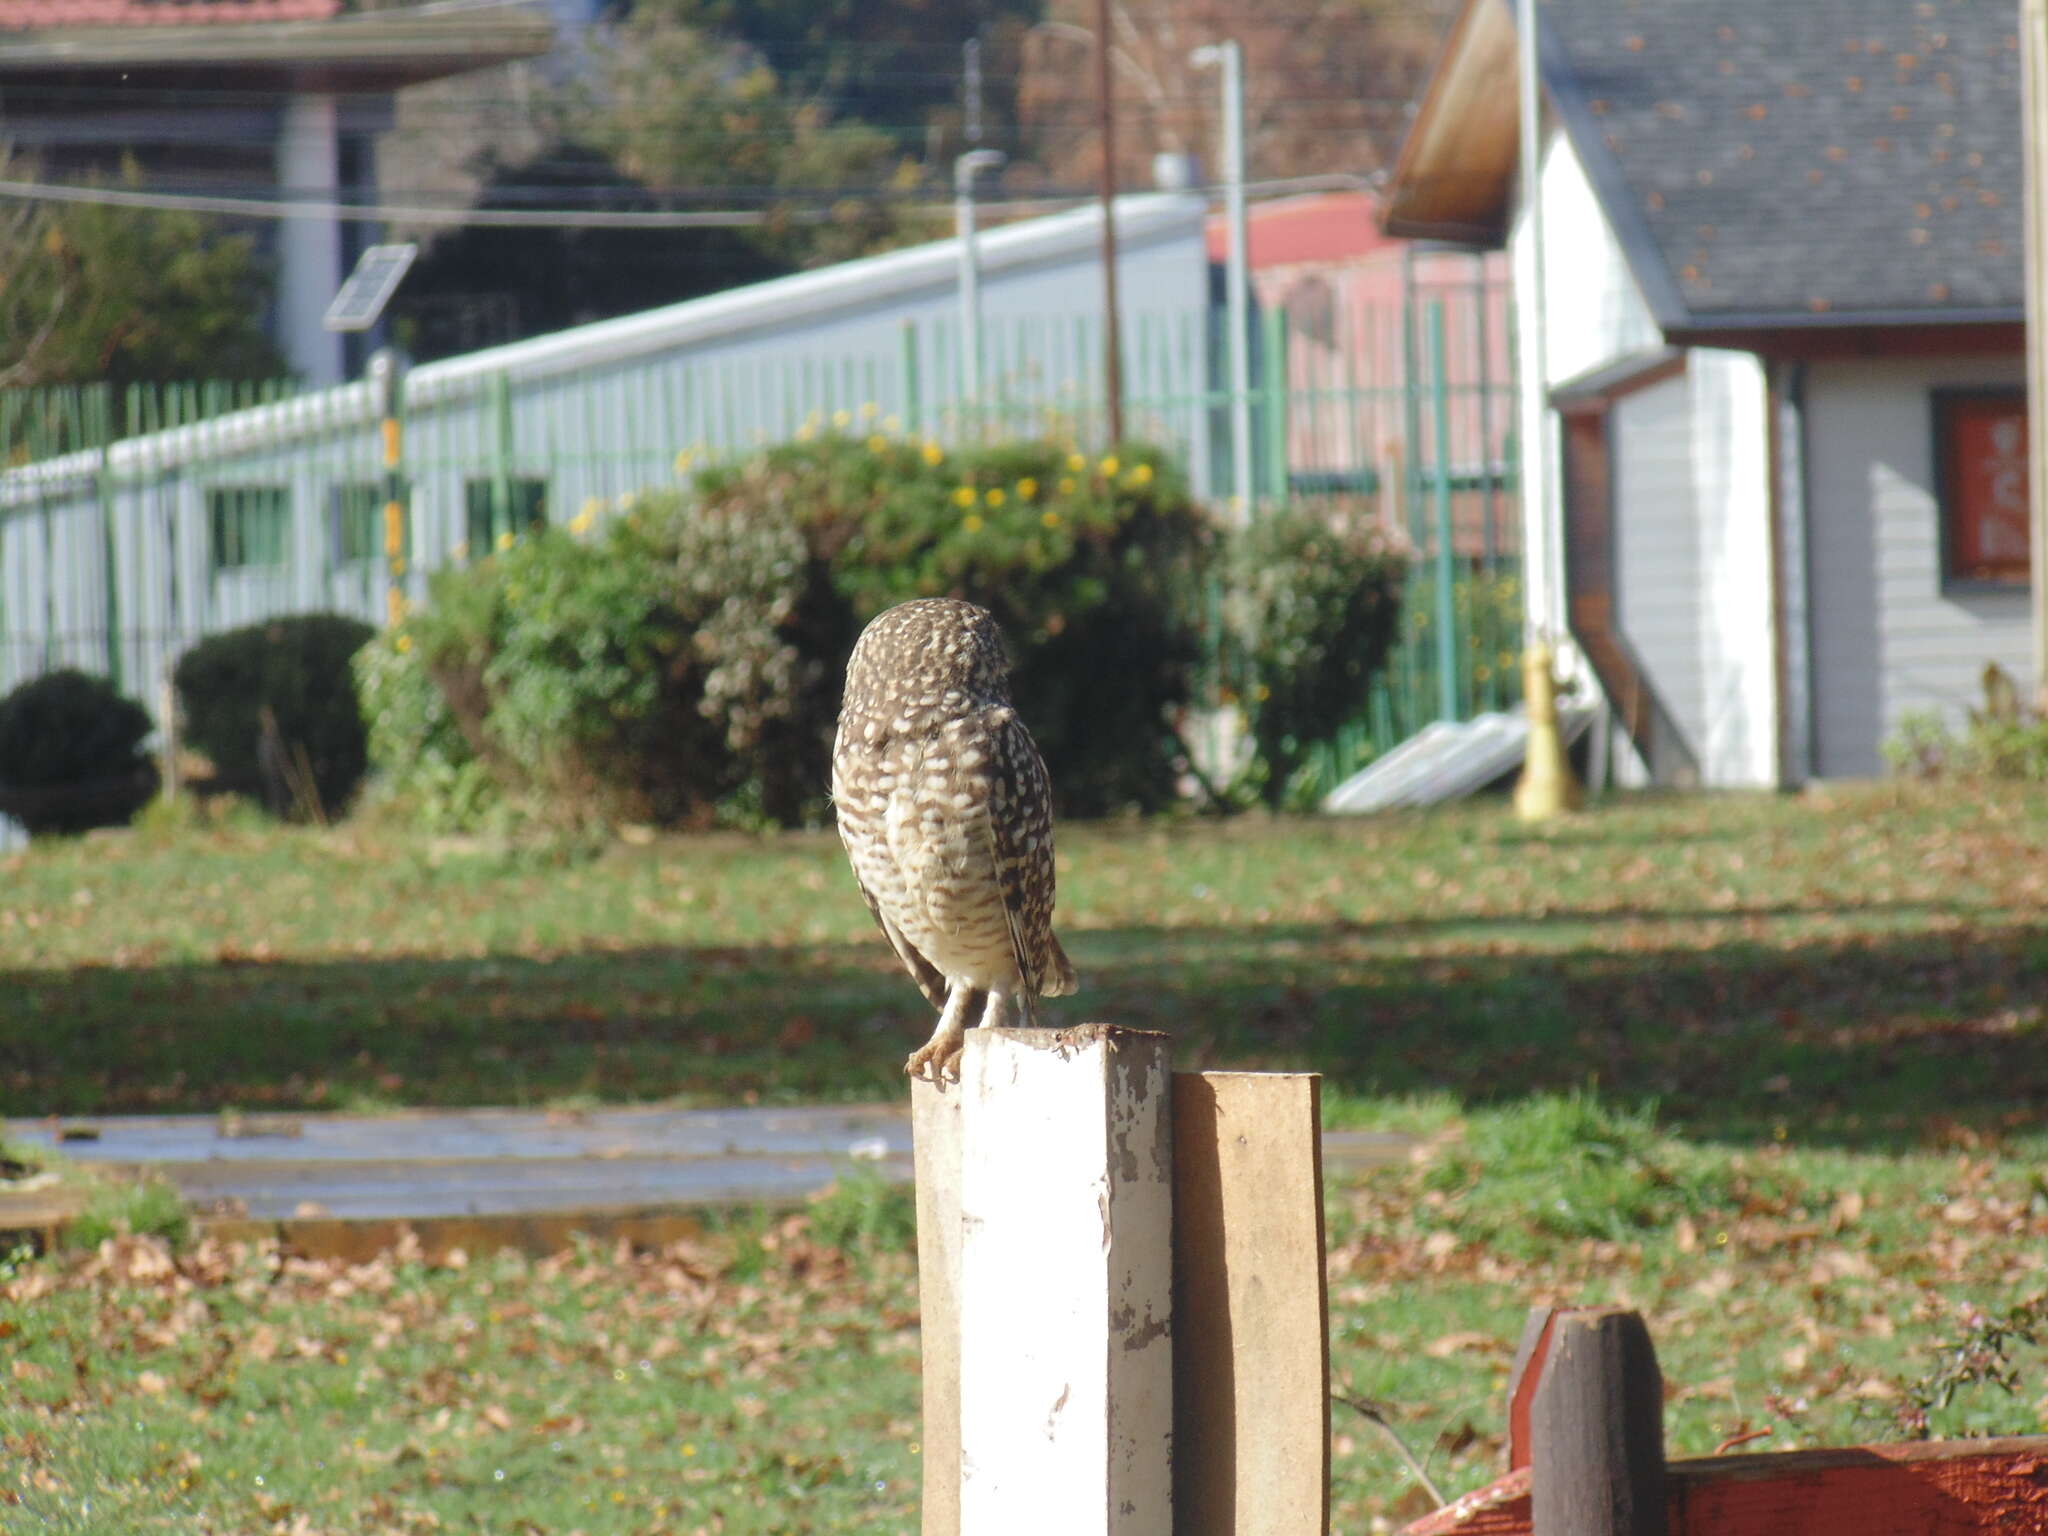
column 1918, row 1489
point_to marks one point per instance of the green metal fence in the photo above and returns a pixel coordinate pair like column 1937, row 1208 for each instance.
column 133, row 521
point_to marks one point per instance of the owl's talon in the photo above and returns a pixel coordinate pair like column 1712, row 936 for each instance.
column 937, row 1060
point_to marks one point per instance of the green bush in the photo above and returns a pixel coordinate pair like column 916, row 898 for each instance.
column 1314, row 602
column 296, row 670
column 2004, row 740
column 71, row 754
column 1094, row 567
column 683, row 660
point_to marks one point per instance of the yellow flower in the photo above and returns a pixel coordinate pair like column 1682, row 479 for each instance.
column 1027, row 488
column 971, row 522
column 1109, row 465
column 963, row 496
column 506, row 539
column 806, row 432
column 585, row 516
column 878, row 444
column 1141, row 474
column 1066, row 485
column 1076, row 463
column 684, row 460
column 869, row 410
column 461, row 550
column 892, row 423
column 933, row 452
column 995, row 496
column 404, row 643
column 841, row 420
column 1051, row 519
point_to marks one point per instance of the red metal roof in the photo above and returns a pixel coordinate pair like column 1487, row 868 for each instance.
column 64, row 15
column 1331, row 226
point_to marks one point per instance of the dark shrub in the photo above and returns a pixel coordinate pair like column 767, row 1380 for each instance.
column 1314, row 603
column 310, row 757
column 71, row 754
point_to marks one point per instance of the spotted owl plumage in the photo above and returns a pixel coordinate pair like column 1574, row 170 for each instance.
column 946, row 813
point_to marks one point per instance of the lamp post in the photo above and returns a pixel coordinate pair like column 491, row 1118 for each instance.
column 1229, row 57
column 965, row 168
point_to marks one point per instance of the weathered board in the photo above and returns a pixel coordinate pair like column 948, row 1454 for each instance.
column 935, row 1128
column 1251, row 1323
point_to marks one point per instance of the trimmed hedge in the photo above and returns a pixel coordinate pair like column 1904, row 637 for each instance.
column 71, row 754
column 296, row 668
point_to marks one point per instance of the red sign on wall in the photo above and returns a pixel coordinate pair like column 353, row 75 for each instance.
column 1981, row 440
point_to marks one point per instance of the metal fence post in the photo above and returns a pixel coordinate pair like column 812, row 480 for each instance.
column 1440, row 482
column 913, row 404
column 1275, row 359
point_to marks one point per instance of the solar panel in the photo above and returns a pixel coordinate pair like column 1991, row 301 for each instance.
column 369, row 288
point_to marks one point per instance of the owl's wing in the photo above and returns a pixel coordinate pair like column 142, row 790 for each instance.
column 1020, row 824
column 922, row 971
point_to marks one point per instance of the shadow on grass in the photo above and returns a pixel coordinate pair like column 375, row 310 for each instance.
column 1875, row 1040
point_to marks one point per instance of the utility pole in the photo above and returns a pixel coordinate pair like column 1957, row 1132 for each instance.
column 1237, row 276
column 1542, row 562
column 1112, row 340
column 2034, row 106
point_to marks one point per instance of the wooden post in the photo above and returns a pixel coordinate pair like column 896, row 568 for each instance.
column 935, row 1135
column 1066, row 1327
column 1596, row 1427
column 1251, row 1342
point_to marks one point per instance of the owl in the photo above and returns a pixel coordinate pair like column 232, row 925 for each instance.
column 946, row 812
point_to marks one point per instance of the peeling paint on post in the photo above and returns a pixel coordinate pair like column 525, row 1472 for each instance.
column 1066, row 1283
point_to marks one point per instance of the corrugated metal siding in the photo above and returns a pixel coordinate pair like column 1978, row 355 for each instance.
column 595, row 412
column 1885, row 638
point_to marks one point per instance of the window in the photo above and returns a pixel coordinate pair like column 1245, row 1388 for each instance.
column 494, row 509
column 356, row 523
column 1980, row 458
column 248, row 525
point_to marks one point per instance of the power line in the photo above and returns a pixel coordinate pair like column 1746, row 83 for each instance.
column 557, row 218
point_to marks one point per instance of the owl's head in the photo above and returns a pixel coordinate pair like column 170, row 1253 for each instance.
column 936, row 654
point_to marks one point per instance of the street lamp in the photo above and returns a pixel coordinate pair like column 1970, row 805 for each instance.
column 965, row 168
column 1237, row 277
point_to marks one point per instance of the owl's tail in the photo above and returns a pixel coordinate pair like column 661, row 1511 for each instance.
column 1059, row 972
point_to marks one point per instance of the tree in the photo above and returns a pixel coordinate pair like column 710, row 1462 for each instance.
column 92, row 292
column 1327, row 84
column 482, row 285
column 893, row 64
column 685, row 111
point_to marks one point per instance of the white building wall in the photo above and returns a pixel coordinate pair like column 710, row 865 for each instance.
column 1731, row 469
column 1593, row 313
column 1658, row 565
column 1692, row 528
column 1885, row 638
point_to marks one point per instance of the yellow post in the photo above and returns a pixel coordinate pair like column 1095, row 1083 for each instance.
column 384, row 377
column 1547, row 788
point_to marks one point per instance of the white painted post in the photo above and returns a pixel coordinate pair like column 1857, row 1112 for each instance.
column 1066, row 1283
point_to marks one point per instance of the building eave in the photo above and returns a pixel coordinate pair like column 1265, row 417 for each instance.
column 1454, row 178
column 365, row 50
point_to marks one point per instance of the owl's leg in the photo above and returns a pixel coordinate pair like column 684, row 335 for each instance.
column 939, row 1056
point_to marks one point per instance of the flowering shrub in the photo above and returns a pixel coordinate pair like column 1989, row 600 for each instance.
column 682, row 657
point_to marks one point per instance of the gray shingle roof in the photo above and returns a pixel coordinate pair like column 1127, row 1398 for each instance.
column 1765, row 160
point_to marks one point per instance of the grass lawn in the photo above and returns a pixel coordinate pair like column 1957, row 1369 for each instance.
column 1836, row 1006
